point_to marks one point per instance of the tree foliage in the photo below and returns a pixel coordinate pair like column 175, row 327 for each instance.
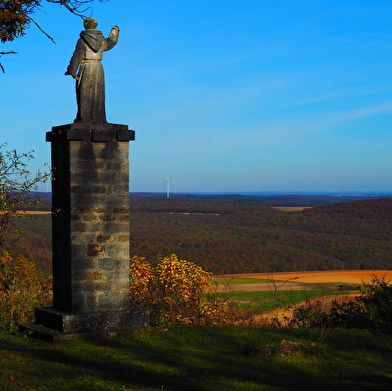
column 23, row 287
column 16, row 185
column 377, row 300
column 15, row 18
column 176, row 293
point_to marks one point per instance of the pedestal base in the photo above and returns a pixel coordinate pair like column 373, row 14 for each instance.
column 53, row 325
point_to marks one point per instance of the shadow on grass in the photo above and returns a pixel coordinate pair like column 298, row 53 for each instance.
column 192, row 359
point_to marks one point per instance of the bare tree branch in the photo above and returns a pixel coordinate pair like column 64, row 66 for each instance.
column 73, row 9
column 41, row 29
column 1, row 54
column 74, row 6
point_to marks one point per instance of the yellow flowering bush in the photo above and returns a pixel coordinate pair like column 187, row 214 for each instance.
column 22, row 288
column 175, row 292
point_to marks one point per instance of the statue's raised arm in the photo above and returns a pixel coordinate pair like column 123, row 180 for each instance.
column 112, row 39
column 85, row 66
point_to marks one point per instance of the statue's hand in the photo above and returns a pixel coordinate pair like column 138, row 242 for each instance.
column 116, row 28
column 69, row 73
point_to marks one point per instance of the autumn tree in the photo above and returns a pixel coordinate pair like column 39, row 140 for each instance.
column 23, row 286
column 176, row 292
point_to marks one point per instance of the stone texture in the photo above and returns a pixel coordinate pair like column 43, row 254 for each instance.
column 90, row 226
column 89, row 163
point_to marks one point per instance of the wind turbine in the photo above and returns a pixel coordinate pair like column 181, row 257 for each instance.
column 168, row 186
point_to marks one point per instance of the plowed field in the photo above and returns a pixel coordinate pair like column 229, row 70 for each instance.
column 299, row 280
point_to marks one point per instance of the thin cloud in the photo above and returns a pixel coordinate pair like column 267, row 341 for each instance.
column 364, row 112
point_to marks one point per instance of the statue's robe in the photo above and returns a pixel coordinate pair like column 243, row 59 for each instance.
column 85, row 66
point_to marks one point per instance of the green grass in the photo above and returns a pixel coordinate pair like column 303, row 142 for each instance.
column 198, row 359
column 265, row 299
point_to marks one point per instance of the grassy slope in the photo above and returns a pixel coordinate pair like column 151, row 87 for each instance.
column 198, row 359
column 264, row 300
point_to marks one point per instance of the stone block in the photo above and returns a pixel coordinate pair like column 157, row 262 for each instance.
column 79, row 226
column 118, row 276
column 96, row 321
column 107, row 264
column 85, row 263
column 118, row 250
column 123, row 209
column 88, row 275
column 108, row 301
column 96, row 250
column 105, row 238
column 107, row 217
column 88, row 286
column 78, row 250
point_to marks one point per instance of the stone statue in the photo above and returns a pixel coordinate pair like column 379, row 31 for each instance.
column 85, row 66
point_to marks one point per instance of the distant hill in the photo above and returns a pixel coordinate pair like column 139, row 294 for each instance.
column 36, row 241
column 370, row 210
column 300, row 198
column 241, row 234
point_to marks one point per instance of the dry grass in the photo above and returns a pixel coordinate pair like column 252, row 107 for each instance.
column 33, row 212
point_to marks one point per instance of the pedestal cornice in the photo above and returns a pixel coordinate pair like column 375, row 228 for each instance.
column 91, row 132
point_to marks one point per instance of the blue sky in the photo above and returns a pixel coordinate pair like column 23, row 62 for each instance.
column 225, row 96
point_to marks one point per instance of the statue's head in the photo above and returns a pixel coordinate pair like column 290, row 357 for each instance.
column 90, row 23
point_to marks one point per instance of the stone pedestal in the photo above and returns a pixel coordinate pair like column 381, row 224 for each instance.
column 90, row 227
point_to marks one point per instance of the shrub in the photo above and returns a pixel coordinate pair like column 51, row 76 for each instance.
column 328, row 312
column 377, row 300
column 22, row 288
column 347, row 315
column 176, row 292
column 371, row 309
column 310, row 314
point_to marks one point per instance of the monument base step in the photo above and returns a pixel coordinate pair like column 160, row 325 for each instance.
column 49, row 335
column 53, row 325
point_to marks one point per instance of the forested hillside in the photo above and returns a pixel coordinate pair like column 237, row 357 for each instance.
column 237, row 236
column 245, row 235
column 36, row 240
